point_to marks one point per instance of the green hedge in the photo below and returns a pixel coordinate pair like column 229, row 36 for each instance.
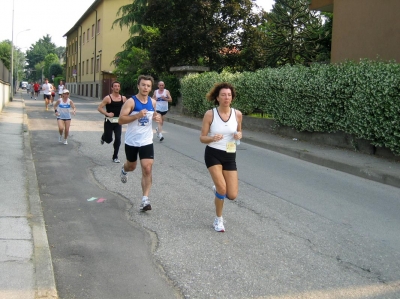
column 362, row 99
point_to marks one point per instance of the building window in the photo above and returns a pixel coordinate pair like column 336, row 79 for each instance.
column 87, row 35
column 98, row 64
column 91, row 65
column 98, row 26
column 92, row 30
column 84, row 38
column 83, row 68
column 87, row 66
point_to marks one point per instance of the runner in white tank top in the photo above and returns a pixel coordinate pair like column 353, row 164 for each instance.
column 162, row 97
column 62, row 109
column 221, row 131
column 138, row 113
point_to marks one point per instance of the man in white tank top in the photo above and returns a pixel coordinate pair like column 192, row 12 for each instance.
column 162, row 97
column 138, row 113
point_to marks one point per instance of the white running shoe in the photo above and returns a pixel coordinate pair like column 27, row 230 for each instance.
column 161, row 137
column 158, row 135
column 145, row 205
column 65, row 141
column 60, row 138
column 123, row 176
column 116, row 160
column 219, row 225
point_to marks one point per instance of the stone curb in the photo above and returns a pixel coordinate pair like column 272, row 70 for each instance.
column 44, row 274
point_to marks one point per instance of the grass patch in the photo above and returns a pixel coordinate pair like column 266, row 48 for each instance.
column 260, row 115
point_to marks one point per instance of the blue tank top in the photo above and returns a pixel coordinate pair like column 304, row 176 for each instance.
column 140, row 131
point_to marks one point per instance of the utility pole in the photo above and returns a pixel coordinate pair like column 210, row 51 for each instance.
column 12, row 56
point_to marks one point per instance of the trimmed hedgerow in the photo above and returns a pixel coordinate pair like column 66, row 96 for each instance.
column 362, row 99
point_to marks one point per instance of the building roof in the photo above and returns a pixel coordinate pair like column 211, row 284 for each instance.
column 322, row 5
column 83, row 17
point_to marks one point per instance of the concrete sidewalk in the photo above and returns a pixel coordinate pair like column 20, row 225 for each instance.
column 25, row 261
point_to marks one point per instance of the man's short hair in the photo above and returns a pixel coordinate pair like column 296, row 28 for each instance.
column 112, row 84
column 145, row 77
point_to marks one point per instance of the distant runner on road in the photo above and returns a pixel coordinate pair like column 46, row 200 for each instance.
column 113, row 103
column 162, row 97
column 62, row 108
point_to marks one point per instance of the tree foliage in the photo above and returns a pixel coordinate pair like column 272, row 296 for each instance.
column 230, row 35
column 19, row 59
column 295, row 34
column 49, row 60
column 183, row 32
column 5, row 53
column 38, row 51
column 55, row 70
column 129, row 65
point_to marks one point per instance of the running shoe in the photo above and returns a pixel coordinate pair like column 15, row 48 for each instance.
column 145, row 205
column 60, row 138
column 101, row 141
column 116, row 160
column 161, row 137
column 219, row 225
column 158, row 135
column 65, row 141
column 123, row 176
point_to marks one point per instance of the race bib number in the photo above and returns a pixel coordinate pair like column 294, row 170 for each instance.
column 231, row 147
column 113, row 119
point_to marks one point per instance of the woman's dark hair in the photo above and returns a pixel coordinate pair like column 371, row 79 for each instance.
column 214, row 92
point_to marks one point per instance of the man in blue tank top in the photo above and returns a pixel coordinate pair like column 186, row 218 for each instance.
column 113, row 103
column 138, row 113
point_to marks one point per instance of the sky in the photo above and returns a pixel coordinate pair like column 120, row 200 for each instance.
column 52, row 17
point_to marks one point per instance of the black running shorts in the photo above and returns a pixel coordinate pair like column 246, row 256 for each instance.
column 213, row 156
column 162, row 112
column 145, row 152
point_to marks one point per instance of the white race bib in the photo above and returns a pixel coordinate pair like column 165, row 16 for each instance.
column 231, row 147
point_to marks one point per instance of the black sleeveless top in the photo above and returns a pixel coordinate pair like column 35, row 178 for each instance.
column 114, row 107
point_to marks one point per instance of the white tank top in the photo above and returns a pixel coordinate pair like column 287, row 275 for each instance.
column 161, row 105
column 140, row 131
column 46, row 88
column 64, row 109
column 226, row 128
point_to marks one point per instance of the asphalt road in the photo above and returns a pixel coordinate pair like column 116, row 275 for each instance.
column 297, row 230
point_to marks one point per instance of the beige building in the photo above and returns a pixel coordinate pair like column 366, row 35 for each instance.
column 91, row 47
column 363, row 28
